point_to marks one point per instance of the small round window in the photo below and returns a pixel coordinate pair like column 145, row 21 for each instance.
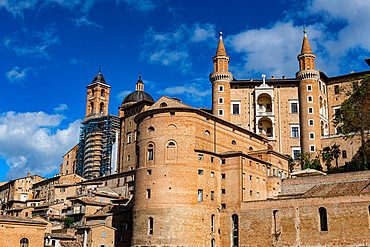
column 250, row 149
column 207, row 132
column 233, row 142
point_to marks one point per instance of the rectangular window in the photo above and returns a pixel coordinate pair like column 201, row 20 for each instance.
column 309, row 88
column 212, row 174
column 200, row 195
column 320, row 85
column 268, row 130
column 310, row 122
column 336, row 89
column 220, row 88
column 200, row 157
column 250, row 177
column 312, row 148
column 128, row 157
column 223, row 161
column 62, row 189
column 149, row 172
column 295, row 132
column 236, row 108
column 250, row 193
column 309, row 98
column 223, row 206
column 268, row 106
column 344, row 154
column 212, row 159
column 223, row 176
column 103, row 234
column 223, row 191
column 294, row 108
column 295, row 153
column 220, row 112
column 324, row 87
column 150, row 226
column 273, row 172
column 310, row 110
column 150, row 154
column 221, row 100
column 200, row 172
column 172, row 113
column 148, row 193
column 312, row 136
column 212, row 195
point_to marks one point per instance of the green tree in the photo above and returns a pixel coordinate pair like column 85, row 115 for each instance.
column 308, row 162
column 336, row 152
column 291, row 163
column 354, row 115
column 68, row 221
column 327, row 157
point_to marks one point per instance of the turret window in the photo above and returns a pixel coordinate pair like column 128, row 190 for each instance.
column 310, row 122
column 312, row 136
column 220, row 100
column 220, row 112
column 310, row 110
column 150, row 226
column 309, row 88
column 220, row 88
column 309, row 98
column 312, row 148
column 150, row 152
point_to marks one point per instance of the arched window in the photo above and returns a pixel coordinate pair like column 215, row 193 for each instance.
column 102, row 92
column 92, row 107
column 323, row 219
column 150, row 226
column 24, row 242
column 101, row 107
column 213, row 223
column 150, row 152
column 233, row 142
column 213, row 243
column 235, row 230
column 163, row 104
column 276, row 220
column 207, row 133
column 250, row 149
column 93, row 92
column 151, row 129
column 171, row 152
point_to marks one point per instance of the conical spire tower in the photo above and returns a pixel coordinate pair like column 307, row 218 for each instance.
column 220, row 79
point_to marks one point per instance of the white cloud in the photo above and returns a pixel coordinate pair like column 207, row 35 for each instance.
column 122, row 95
column 61, row 107
column 195, row 91
column 172, row 47
column 274, row 49
column 34, row 43
column 17, row 7
column 16, row 75
column 34, row 142
column 84, row 22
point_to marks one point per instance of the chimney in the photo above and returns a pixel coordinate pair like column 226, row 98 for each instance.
column 351, row 71
column 28, row 174
column 272, row 77
column 283, row 76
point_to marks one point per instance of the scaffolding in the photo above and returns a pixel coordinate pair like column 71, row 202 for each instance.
column 95, row 147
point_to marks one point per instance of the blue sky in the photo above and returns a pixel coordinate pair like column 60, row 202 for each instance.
column 52, row 49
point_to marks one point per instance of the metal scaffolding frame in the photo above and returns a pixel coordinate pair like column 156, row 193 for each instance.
column 94, row 155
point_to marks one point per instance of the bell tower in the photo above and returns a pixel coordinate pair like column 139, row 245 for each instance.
column 97, row 97
column 220, row 79
column 309, row 94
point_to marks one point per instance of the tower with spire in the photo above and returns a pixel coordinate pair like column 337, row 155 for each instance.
column 309, row 99
column 220, row 79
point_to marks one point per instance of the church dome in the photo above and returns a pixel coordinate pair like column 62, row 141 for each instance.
column 99, row 78
column 137, row 96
